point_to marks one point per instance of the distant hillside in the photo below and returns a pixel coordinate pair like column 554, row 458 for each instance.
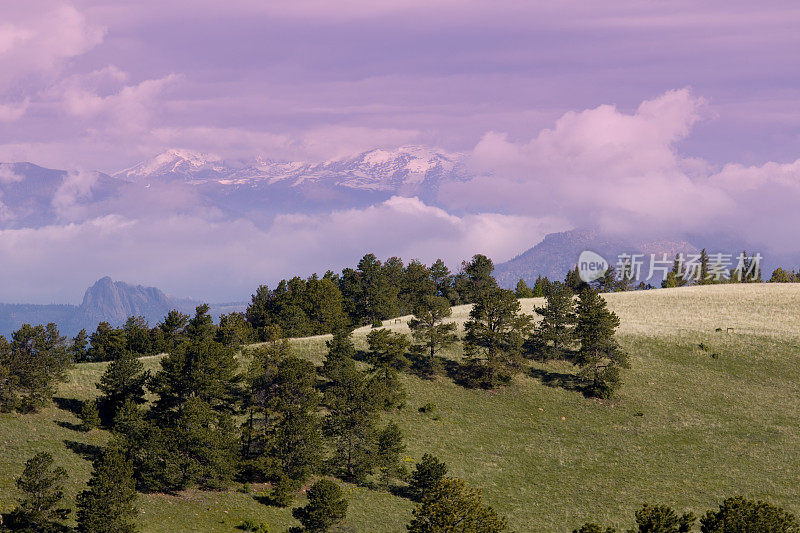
column 105, row 301
column 559, row 252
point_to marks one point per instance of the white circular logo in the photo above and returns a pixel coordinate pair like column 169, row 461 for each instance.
column 591, row 266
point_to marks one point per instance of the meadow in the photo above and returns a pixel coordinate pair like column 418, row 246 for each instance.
column 705, row 412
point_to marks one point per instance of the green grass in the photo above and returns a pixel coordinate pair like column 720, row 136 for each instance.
column 687, row 428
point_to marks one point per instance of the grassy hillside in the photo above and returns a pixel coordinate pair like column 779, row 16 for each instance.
column 691, row 425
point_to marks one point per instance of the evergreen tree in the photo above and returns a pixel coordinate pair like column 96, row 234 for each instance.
column 89, row 415
column 555, row 333
column 444, row 279
column 79, row 346
column 417, row 286
column 42, row 488
column 704, row 278
column 107, row 343
column 780, row 275
column 662, row 519
column 599, row 356
column 32, row 363
column 542, row 287
column 387, row 355
column 738, row 515
column 353, row 405
column 677, row 276
column 107, row 505
column 200, row 327
column 207, row 445
column 258, row 313
column 283, row 393
column 172, row 330
column 137, row 336
column 573, row 280
column 326, row 507
column 426, row 477
column 234, row 330
column 429, row 331
column 340, row 351
column 451, row 506
column 523, row 290
column 323, row 305
column 389, row 448
column 123, row 380
column 494, row 338
column 206, row 370
column 475, row 280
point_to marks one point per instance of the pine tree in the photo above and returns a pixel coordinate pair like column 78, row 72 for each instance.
column 451, row 506
column 137, row 336
column 443, row 279
column 32, row 363
column 172, row 329
column 704, row 278
column 283, row 394
column 123, row 380
column 542, row 287
column 206, row 370
column 475, row 280
column 389, row 448
column 42, row 488
column 353, row 405
column 662, row 519
column 89, row 415
column 258, row 313
column 326, row 507
column 417, row 287
column 494, row 337
column 78, row 347
column 523, row 290
column 387, row 355
column 599, row 356
column 430, row 333
column 234, row 331
column 426, row 477
column 107, row 343
column 340, row 351
column 107, row 505
column 677, row 276
column 555, row 333
column 738, row 514
column 207, row 445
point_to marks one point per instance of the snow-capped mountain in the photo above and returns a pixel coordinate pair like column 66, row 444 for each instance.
column 408, row 170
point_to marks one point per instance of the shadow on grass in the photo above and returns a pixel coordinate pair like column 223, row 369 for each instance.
column 68, row 404
column 70, row 426
column 90, row 452
column 560, row 380
column 402, row 491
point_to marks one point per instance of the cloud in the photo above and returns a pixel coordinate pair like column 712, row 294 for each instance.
column 13, row 112
column 599, row 167
column 102, row 96
column 40, row 37
column 77, row 186
column 194, row 255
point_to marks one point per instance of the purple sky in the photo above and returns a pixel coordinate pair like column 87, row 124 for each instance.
column 662, row 114
column 102, row 85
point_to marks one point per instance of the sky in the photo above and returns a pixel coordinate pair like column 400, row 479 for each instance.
column 638, row 114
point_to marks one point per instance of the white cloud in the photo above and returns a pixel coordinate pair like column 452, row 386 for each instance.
column 213, row 258
column 599, row 167
column 40, row 37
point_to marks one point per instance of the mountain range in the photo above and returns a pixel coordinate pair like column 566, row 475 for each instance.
column 32, row 196
column 558, row 253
